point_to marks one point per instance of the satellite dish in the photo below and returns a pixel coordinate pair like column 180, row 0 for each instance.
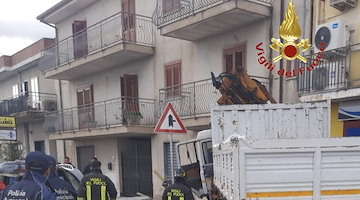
column 323, row 35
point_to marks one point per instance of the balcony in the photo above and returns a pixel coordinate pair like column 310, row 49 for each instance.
column 193, row 101
column 29, row 106
column 117, row 40
column 197, row 19
column 120, row 116
column 336, row 75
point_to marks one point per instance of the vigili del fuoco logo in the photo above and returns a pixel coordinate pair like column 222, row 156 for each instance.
column 289, row 31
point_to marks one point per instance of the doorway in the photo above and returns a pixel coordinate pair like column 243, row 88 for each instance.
column 137, row 168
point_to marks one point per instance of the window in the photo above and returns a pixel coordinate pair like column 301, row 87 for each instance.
column 207, row 151
column 86, row 108
column 351, row 128
column 24, row 88
column 79, row 39
column 167, row 160
column 234, row 57
column 173, row 79
column 35, row 98
column 15, row 89
column 40, row 146
column 128, row 18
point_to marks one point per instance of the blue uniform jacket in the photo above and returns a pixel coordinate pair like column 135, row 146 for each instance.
column 31, row 187
column 60, row 188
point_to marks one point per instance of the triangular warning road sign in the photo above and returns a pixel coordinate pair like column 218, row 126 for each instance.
column 169, row 122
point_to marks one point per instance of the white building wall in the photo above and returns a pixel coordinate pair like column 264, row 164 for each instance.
column 106, row 150
column 98, row 12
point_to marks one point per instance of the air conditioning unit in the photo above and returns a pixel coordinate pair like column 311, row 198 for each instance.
column 333, row 35
column 343, row 4
column 329, row 76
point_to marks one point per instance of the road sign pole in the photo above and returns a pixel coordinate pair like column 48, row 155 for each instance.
column 171, row 157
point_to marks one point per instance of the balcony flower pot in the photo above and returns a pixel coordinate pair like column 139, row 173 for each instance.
column 49, row 104
column 132, row 117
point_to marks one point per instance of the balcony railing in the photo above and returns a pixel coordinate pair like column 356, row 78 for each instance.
column 29, row 101
column 115, row 112
column 194, row 99
column 332, row 73
column 169, row 11
column 121, row 27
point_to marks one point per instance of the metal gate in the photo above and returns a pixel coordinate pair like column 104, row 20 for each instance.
column 84, row 154
column 137, row 168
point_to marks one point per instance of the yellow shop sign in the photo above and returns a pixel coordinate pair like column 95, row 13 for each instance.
column 7, row 122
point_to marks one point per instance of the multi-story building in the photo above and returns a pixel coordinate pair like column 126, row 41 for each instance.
column 119, row 62
column 28, row 96
column 336, row 78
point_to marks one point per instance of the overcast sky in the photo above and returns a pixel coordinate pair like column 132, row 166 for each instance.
column 19, row 27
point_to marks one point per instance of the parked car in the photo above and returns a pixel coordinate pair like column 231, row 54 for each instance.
column 11, row 171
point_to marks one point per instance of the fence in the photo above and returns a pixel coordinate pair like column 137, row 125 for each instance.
column 121, row 27
column 115, row 112
column 168, row 11
column 29, row 101
column 194, row 99
column 324, row 72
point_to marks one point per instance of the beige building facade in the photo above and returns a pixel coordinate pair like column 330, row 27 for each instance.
column 27, row 96
column 118, row 63
column 338, row 72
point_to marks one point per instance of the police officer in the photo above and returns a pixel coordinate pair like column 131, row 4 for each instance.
column 60, row 188
column 178, row 190
column 96, row 186
column 32, row 186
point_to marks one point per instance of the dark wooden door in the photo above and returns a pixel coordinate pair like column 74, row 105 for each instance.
column 128, row 17
column 80, row 39
column 130, row 93
column 85, row 107
column 137, row 168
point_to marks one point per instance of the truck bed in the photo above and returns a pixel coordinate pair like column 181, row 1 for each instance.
column 271, row 121
column 288, row 169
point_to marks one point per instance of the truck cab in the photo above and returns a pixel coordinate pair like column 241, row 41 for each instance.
column 195, row 157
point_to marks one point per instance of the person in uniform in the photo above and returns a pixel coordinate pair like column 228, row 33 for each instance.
column 32, row 186
column 96, row 186
column 178, row 190
column 60, row 188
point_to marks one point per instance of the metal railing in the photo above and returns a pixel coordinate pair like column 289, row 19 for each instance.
column 169, row 11
column 194, row 99
column 329, row 72
column 28, row 101
column 121, row 27
column 115, row 112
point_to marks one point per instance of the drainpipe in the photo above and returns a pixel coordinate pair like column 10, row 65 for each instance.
column 281, row 87
column 304, row 19
column 270, row 53
column 312, row 21
column 59, row 81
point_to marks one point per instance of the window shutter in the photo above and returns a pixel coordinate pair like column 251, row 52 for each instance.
column 80, row 98
column 239, row 58
column 177, row 75
column 167, row 160
column 234, row 57
column 228, row 62
column 168, row 77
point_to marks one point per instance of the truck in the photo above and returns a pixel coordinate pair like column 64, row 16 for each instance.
column 257, row 149
column 271, row 152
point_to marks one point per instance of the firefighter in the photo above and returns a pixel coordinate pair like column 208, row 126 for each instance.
column 96, row 186
column 178, row 190
column 32, row 186
column 60, row 188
